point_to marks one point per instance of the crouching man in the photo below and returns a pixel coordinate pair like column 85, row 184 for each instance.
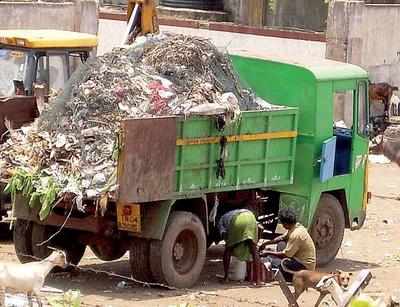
column 239, row 230
column 296, row 245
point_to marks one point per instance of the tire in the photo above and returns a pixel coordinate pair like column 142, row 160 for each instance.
column 41, row 233
column 178, row 259
column 73, row 248
column 327, row 230
column 23, row 240
column 5, row 233
column 108, row 252
column 139, row 259
column 64, row 241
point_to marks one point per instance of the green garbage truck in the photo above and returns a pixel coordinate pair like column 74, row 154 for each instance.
column 310, row 153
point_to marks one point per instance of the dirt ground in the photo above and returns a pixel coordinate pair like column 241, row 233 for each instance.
column 375, row 247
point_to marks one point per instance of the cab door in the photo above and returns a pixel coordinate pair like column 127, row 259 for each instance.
column 360, row 149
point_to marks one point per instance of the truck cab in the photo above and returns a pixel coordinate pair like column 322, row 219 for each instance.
column 329, row 191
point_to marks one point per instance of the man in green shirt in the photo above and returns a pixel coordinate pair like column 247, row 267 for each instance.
column 296, row 245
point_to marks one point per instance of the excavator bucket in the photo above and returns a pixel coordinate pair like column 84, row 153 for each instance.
column 142, row 19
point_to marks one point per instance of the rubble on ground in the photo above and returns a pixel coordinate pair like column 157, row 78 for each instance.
column 73, row 146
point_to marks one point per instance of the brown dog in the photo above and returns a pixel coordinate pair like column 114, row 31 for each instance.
column 304, row 279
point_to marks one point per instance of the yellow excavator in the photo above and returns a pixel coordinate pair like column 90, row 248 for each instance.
column 142, row 20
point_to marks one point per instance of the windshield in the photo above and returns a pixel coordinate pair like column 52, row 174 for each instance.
column 12, row 67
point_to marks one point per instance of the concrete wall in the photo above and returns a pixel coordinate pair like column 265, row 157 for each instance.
column 366, row 35
column 246, row 12
column 111, row 31
column 81, row 16
column 303, row 14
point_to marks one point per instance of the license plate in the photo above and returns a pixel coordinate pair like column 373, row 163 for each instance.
column 129, row 217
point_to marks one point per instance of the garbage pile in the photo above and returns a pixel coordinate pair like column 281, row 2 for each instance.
column 73, row 147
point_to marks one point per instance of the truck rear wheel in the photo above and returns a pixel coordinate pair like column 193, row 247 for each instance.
column 23, row 240
column 179, row 257
column 139, row 259
column 41, row 233
column 327, row 229
column 64, row 241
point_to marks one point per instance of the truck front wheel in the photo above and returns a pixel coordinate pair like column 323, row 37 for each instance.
column 179, row 257
column 328, row 228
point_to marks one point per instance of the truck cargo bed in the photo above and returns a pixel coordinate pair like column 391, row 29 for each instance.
column 196, row 158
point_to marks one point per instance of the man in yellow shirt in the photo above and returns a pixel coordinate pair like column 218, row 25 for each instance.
column 296, row 245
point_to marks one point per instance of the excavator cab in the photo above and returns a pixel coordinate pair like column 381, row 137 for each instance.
column 32, row 62
column 40, row 56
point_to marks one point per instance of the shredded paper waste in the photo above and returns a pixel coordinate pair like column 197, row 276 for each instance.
column 72, row 148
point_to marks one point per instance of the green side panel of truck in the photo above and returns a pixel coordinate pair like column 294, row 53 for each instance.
column 310, row 87
column 267, row 161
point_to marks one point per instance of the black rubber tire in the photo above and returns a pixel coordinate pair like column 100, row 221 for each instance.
column 110, row 252
column 64, row 241
column 5, row 233
column 41, row 233
column 74, row 249
column 23, row 240
column 327, row 229
column 183, row 228
column 139, row 259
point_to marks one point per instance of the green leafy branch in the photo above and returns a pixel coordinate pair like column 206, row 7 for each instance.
column 38, row 187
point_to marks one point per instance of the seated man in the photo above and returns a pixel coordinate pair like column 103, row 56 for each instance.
column 296, row 245
column 239, row 230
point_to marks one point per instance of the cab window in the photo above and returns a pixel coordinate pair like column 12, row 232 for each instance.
column 13, row 66
column 343, row 105
column 343, row 109
column 52, row 70
column 362, row 128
